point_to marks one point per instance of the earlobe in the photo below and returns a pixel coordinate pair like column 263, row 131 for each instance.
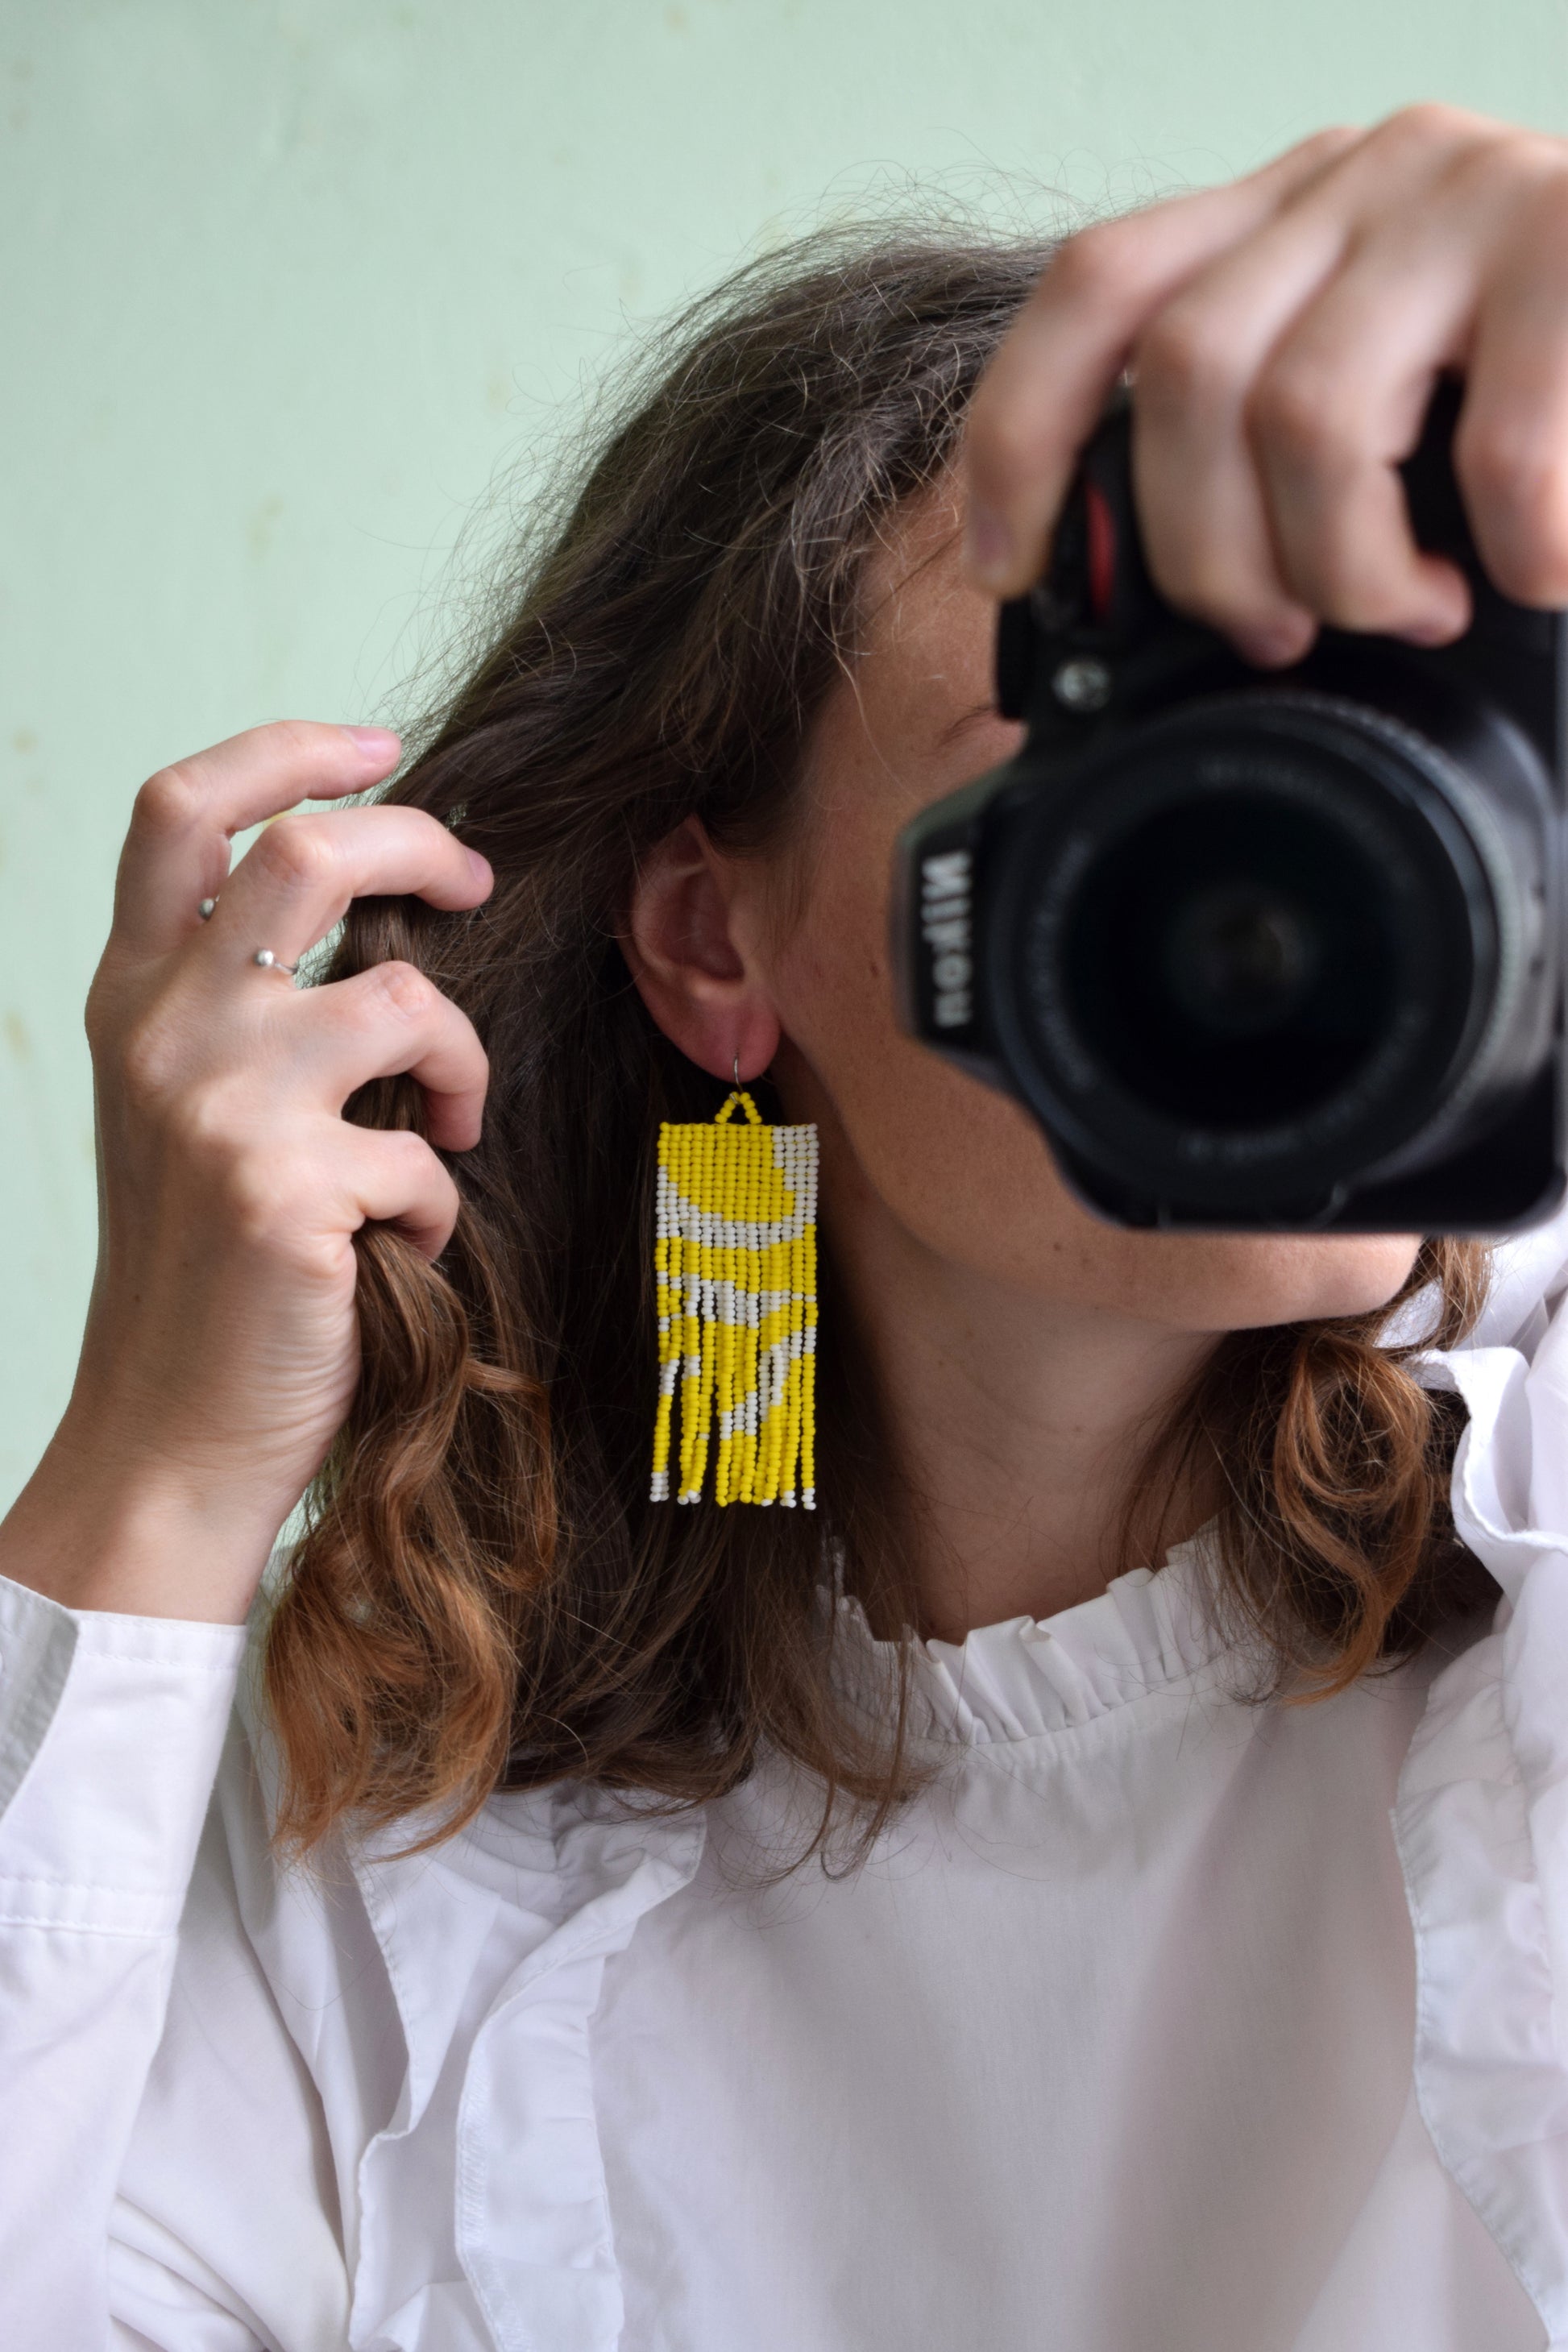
column 680, row 942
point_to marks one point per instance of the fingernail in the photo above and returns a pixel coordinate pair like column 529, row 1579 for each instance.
column 1276, row 644
column 483, row 870
column 379, row 743
column 1433, row 630
column 988, row 544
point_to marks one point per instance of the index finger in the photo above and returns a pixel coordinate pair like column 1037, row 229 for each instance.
column 1510, row 451
column 176, row 852
column 1042, row 395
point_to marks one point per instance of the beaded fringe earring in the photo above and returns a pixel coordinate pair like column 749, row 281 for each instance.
column 736, row 1260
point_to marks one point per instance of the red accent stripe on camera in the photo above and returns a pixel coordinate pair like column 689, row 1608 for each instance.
column 1101, row 551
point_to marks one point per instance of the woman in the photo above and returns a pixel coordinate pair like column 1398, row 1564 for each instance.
column 970, row 1915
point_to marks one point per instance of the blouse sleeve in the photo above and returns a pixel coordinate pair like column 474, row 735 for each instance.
column 110, row 1734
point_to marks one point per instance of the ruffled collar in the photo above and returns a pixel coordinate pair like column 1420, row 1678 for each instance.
column 1150, row 1631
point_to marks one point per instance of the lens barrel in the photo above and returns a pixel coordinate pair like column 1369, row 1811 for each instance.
column 1270, row 945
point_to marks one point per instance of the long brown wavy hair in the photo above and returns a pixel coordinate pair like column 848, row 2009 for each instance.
column 484, row 1594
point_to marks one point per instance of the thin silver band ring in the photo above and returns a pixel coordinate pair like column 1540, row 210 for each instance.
column 264, row 957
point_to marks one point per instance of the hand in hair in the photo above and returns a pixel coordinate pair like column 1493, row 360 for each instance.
column 222, row 1345
column 1284, row 333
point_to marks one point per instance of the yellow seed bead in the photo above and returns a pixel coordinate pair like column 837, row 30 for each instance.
column 749, row 1435
column 691, row 1189
column 760, row 1431
column 736, row 1276
column 726, row 1330
column 787, row 1396
column 792, row 1376
column 721, row 1145
column 808, row 1377
column 769, row 1333
column 683, row 1155
column 738, row 1334
column 713, row 1141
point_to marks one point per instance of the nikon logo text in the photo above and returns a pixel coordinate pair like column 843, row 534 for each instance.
column 945, row 929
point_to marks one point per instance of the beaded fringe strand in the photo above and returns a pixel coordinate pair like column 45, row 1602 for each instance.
column 735, row 1255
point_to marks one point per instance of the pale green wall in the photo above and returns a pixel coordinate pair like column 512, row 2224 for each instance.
column 282, row 287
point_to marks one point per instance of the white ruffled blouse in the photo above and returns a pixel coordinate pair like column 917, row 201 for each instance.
column 1161, row 2018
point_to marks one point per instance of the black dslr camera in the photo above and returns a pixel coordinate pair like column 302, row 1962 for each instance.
column 1279, row 951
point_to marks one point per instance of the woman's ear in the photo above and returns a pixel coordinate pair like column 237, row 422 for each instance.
column 688, row 954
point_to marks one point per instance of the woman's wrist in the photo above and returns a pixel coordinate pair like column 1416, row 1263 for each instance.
column 140, row 1537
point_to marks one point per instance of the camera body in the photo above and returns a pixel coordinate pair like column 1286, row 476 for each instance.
column 1281, row 951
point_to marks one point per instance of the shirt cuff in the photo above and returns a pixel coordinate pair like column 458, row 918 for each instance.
column 110, row 1731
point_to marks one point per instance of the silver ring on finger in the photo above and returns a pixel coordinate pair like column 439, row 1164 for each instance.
column 268, row 962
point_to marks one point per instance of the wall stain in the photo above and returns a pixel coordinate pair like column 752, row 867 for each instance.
column 17, row 1036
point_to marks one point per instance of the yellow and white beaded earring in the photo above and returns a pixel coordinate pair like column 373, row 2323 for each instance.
column 735, row 1253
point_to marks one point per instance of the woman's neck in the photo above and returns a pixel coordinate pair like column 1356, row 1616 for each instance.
column 1019, row 1424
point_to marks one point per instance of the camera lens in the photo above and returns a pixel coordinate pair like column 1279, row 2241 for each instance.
column 1250, row 950
column 1230, row 960
column 1239, row 958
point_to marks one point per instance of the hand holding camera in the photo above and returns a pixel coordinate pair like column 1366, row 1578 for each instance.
column 1280, row 952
